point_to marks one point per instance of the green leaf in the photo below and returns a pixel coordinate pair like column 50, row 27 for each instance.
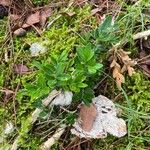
column 106, row 24
column 93, row 69
column 60, row 68
column 98, row 66
column 51, row 83
column 82, row 85
column 85, row 53
column 87, row 95
column 64, row 77
column 74, row 88
column 63, row 56
column 37, row 64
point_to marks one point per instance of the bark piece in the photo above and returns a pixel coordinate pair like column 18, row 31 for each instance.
column 87, row 116
column 106, row 121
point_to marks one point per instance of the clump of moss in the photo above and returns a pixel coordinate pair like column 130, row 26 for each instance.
column 62, row 35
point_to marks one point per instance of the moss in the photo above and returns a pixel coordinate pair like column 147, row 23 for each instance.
column 62, row 35
column 136, row 115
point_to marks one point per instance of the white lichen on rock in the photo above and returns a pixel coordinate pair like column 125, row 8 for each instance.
column 9, row 128
column 37, row 48
column 106, row 121
column 63, row 99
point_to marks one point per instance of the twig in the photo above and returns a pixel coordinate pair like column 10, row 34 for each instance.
column 146, row 57
column 52, row 140
column 68, row 111
column 143, row 34
column 50, row 23
column 35, row 115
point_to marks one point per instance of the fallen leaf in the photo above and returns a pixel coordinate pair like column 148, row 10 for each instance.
column 20, row 32
column 14, row 17
column 20, row 69
column 32, row 19
column 5, row 2
column 118, row 75
column 45, row 13
column 113, row 63
column 130, row 70
column 7, row 95
column 87, row 116
column 126, row 64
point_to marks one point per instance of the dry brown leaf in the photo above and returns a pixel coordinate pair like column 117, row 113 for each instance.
column 120, row 78
column 32, row 19
column 5, row 2
column 113, row 63
column 14, row 17
column 87, row 116
column 118, row 75
column 45, row 13
column 20, row 69
column 20, row 32
column 130, row 71
column 125, row 61
column 116, row 70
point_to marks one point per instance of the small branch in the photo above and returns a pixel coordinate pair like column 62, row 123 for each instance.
column 52, row 140
column 142, row 34
column 31, row 120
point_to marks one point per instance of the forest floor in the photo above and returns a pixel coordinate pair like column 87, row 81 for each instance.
column 56, row 56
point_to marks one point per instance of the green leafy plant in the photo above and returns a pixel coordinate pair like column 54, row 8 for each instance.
column 63, row 72
column 106, row 32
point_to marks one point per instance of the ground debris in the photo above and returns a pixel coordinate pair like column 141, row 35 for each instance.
column 20, row 32
column 144, row 62
column 36, row 49
column 5, row 2
column 106, row 121
column 63, row 99
column 20, row 69
column 120, row 63
column 32, row 19
column 87, row 116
